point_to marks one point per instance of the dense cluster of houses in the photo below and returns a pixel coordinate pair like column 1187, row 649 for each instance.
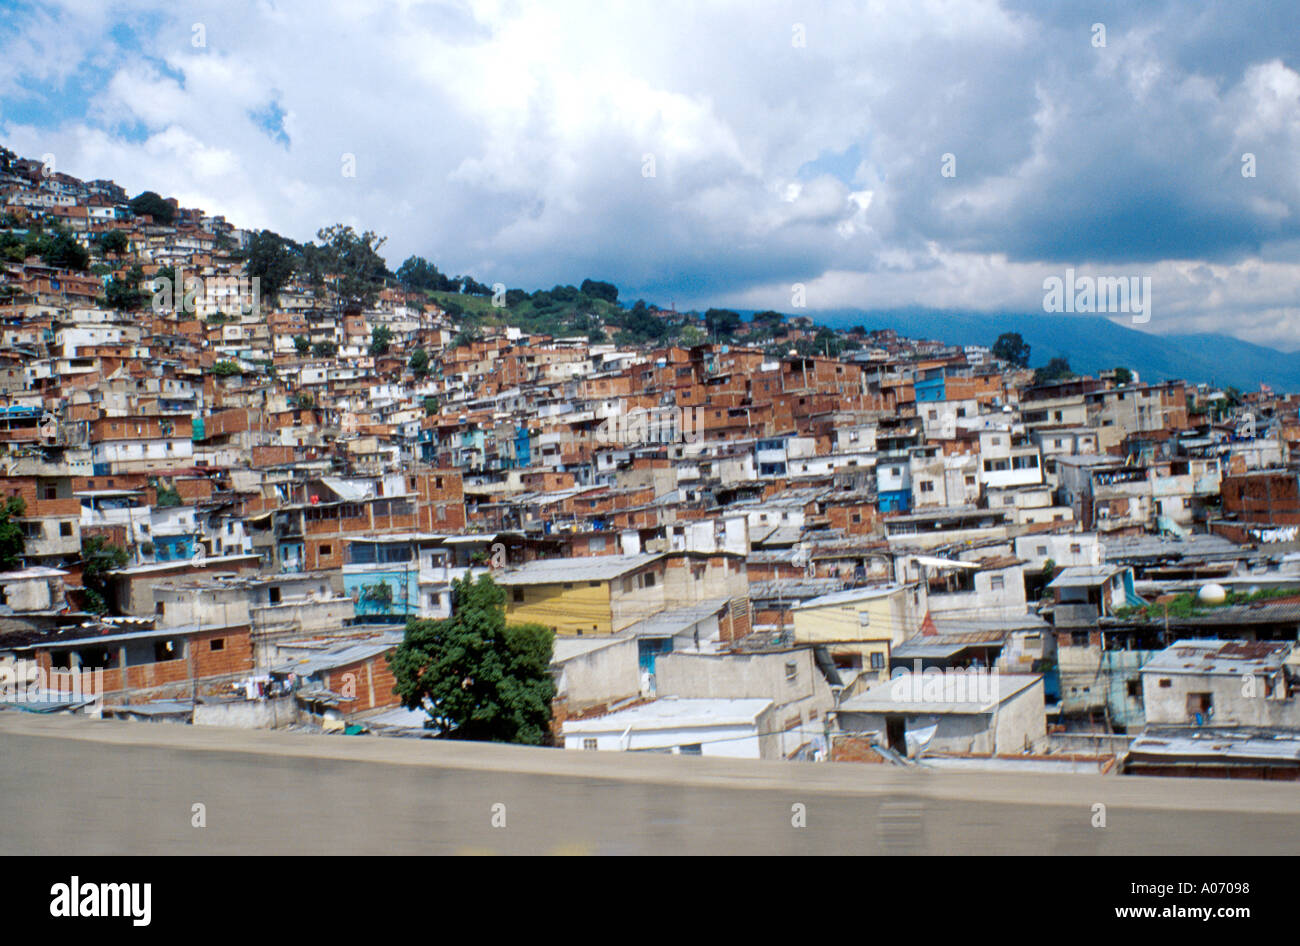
column 909, row 554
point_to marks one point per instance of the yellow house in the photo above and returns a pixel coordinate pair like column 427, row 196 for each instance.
column 860, row 626
column 594, row 596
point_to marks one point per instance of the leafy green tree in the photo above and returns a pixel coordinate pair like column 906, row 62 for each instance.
column 226, row 369
column 12, row 541
column 302, row 344
column 768, row 321
column 472, row 287
column 419, row 274
column 154, row 206
column 1058, row 369
column 166, row 495
column 600, row 290
column 124, row 296
column 271, row 259
column 114, row 241
column 466, row 336
column 1123, row 376
column 430, row 406
column 354, row 262
column 62, row 251
column 721, row 323
column 420, row 362
column 381, row 336
column 99, row 559
column 693, row 335
column 324, row 349
column 1011, row 347
column 476, row 676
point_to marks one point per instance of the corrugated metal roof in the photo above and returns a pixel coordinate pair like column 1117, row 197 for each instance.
column 558, row 570
column 673, row 713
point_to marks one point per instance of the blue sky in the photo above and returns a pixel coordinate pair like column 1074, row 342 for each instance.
column 790, row 142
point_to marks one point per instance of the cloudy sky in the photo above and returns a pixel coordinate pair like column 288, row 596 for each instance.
column 941, row 153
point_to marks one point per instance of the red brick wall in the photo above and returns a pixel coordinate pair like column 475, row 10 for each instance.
column 359, row 678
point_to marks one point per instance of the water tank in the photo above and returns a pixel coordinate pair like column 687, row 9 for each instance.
column 1212, row 593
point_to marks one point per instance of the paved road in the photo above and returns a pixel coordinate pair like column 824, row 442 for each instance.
column 74, row 786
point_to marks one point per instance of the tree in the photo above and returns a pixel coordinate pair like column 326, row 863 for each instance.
column 124, row 294
column 1010, row 347
column 302, row 344
column 419, row 274
column 1123, row 376
column 99, row 559
column 12, row 541
column 271, row 260
column 226, row 369
column 430, row 406
column 693, row 335
column 62, row 251
column 114, row 241
column 165, row 495
column 721, row 323
column 419, row 362
column 477, row 677
column 324, row 349
column 153, row 205
column 1057, row 369
column 768, row 321
column 600, row 290
column 380, row 337
column 354, row 261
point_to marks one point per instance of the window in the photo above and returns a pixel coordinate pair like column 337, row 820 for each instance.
column 217, row 643
column 1166, row 683
column 160, row 608
column 864, row 619
column 1041, row 550
column 927, row 486
column 997, row 582
column 589, row 744
column 650, row 579
column 791, row 672
column 1200, row 706
column 694, row 748
column 877, row 661
column 517, row 595
column 325, row 551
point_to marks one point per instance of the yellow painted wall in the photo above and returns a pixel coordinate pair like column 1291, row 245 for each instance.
column 584, row 608
column 840, row 622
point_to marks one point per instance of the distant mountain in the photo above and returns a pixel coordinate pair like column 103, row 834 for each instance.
column 1092, row 344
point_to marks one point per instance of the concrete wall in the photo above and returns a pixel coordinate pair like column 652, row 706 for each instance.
column 248, row 714
column 1229, row 704
column 800, row 701
column 602, row 675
